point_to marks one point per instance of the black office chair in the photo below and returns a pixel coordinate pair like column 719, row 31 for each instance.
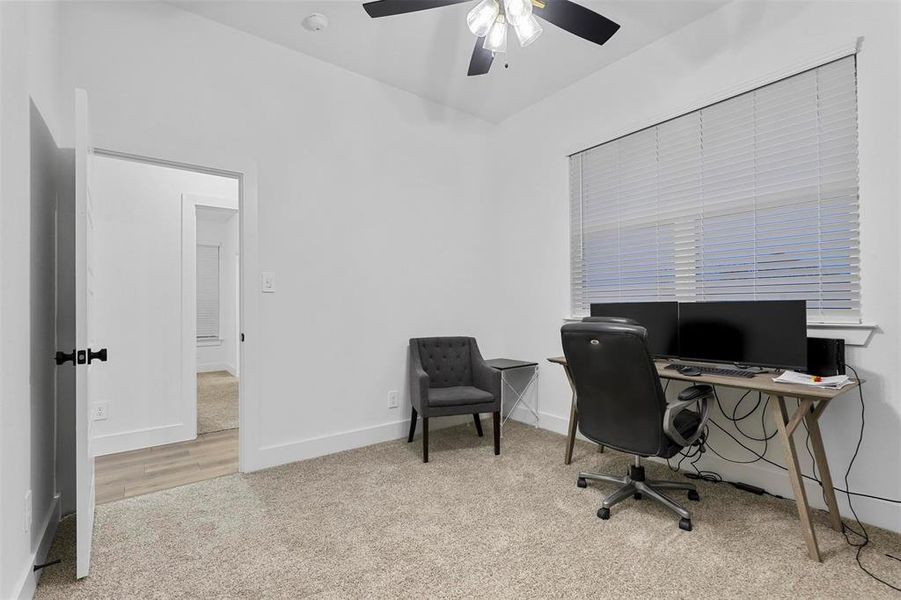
column 623, row 320
column 621, row 405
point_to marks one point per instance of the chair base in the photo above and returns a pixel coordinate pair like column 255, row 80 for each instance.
column 634, row 485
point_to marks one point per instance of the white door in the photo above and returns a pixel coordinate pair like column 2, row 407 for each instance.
column 85, row 345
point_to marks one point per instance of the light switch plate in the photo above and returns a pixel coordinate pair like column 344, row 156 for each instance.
column 267, row 283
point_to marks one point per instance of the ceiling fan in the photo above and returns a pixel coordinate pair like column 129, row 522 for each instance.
column 488, row 21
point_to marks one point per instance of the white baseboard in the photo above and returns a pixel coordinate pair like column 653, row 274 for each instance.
column 29, row 580
column 216, row 366
column 141, row 438
column 281, row 454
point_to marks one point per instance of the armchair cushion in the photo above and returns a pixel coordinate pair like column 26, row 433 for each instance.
column 458, row 395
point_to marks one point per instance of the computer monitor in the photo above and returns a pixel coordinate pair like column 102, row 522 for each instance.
column 661, row 319
column 760, row 333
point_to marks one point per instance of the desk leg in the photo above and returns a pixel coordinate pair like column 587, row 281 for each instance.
column 780, row 415
column 571, row 437
column 819, row 453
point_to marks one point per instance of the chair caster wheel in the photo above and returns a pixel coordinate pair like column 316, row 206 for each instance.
column 693, row 495
column 604, row 513
column 685, row 524
column 637, row 495
column 581, row 482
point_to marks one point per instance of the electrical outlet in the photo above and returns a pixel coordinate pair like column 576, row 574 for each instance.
column 267, row 282
column 27, row 511
column 392, row 399
column 101, row 411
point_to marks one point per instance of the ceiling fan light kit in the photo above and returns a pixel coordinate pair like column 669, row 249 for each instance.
column 488, row 21
column 527, row 30
column 518, row 9
column 496, row 40
column 482, row 17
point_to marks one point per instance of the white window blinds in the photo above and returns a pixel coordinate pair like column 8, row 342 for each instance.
column 752, row 198
column 207, row 291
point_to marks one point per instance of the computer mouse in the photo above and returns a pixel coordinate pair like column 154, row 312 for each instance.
column 689, row 371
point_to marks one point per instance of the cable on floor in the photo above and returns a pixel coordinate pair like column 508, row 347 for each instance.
column 714, row 477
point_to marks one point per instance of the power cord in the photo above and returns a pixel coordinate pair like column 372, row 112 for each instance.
column 865, row 537
column 714, row 477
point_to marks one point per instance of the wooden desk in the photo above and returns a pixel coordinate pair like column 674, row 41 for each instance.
column 812, row 402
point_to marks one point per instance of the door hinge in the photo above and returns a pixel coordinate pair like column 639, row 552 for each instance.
column 81, row 357
column 64, row 357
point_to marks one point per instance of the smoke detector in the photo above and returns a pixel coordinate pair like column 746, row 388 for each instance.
column 315, row 22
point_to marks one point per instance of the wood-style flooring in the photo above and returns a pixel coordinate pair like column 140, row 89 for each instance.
column 148, row 470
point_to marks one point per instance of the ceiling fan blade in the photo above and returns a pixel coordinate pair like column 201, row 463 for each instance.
column 576, row 19
column 481, row 60
column 387, row 8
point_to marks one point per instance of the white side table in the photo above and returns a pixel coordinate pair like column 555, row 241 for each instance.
column 521, row 395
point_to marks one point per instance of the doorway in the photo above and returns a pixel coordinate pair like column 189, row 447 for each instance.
column 167, row 256
column 217, row 275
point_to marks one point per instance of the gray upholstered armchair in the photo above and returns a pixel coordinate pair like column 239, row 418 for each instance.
column 448, row 376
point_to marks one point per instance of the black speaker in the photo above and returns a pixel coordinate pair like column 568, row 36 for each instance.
column 825, row 357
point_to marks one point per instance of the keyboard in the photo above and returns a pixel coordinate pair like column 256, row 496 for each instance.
column 716, row 371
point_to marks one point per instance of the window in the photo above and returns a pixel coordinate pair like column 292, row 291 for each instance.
column 751, row 198
column 207, row 292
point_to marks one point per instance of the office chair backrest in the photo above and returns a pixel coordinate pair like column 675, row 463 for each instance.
column 446, row 360
column 623, row 320
column 619, row 400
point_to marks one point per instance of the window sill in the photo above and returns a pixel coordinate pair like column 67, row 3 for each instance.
column 209, row 342
column 854, row 334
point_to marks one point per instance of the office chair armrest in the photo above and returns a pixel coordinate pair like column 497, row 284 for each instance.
column 695, row 395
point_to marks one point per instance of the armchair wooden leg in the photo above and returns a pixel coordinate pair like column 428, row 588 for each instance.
column 425, row 439
column 412, row 426
column 478, row 421
column 497, row 433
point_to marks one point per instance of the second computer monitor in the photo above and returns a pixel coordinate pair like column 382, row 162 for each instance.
column 661, row 319
column 764, row 333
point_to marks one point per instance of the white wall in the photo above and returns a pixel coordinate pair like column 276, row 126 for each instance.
column 28, row 170
column 740, row 43
column 377, row 217
column 139, row 300
column 372, row 208
column 212, row 228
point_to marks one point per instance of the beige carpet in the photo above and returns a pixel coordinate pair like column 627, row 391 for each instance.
column 377, row 523
column 217, row 401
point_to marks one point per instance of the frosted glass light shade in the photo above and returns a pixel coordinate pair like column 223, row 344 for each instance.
column 518, row 9
column 482, row 17
column 527, row 30
column 496, row 40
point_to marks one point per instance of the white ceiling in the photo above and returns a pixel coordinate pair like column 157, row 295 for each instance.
column 427, row 53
